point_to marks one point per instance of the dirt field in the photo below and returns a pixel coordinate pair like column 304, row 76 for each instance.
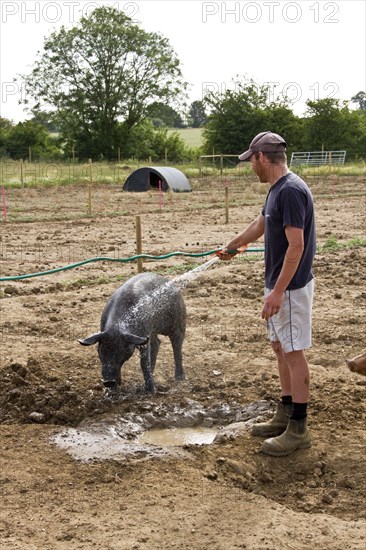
column 222, row 496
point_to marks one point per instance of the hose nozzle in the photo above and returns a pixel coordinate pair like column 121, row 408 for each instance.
column 225, row 254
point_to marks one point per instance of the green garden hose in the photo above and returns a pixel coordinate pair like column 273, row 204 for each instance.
column 122, row 260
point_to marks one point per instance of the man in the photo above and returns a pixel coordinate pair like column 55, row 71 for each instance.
column 287, row 222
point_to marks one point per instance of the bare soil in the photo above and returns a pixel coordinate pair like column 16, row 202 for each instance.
column 221, row 496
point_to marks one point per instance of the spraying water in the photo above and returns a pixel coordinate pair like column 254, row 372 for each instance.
column 156, row 300
column 182, row 280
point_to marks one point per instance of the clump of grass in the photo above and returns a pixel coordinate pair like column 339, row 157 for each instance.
column 176, row 269
column 332, row 244
column 95, row 281
column 356, row 241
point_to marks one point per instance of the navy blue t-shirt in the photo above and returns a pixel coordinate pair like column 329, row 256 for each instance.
column 289, row 202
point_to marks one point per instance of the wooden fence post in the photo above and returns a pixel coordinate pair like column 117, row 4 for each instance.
column 89, row 188
column 139, row 244
column 21, row 173
column 331, row 171
column 226, row 201
column 4, row 202
column 160, row 194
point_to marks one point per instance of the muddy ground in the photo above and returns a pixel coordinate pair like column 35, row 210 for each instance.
column 221, row 496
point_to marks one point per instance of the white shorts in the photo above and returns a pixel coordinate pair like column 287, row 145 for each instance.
column 291, row 326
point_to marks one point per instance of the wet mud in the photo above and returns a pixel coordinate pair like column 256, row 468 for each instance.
column 154, row 431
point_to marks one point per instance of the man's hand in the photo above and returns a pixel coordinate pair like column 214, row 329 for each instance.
column 272, row 304
column 225, row 254
column 228, row 254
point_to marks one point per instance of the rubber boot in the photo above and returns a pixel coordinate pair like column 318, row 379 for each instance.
column 295, row 437
column 277, row 425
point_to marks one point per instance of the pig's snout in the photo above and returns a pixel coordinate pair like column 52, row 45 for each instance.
column 111, row 376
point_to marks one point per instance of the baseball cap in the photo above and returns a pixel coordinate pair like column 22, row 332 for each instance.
column 268, row 142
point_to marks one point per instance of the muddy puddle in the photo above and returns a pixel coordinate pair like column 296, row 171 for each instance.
column 178, row 437
column 156, row 431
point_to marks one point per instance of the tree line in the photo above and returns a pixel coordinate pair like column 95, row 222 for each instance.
column 107, row 89
column 329, row 124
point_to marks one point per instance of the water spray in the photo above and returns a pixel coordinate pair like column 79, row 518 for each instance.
column 182, row 280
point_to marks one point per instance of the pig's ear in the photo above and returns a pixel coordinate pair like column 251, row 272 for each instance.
column 137, row 340
column 93, row 339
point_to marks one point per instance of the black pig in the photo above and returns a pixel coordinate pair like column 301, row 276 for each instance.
column 143, row 307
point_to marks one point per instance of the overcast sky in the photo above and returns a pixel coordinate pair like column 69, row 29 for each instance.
column 306, row 49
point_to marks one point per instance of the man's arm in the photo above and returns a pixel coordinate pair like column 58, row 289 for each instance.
column 250, row 234
column 273, row 301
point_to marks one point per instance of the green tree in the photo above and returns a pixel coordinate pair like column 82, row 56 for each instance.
column 361, row 142
column 104, row 70
column 44, row 119
column 238, row 115
column 5, row 127
column 331, row 124
column 360, row 98
column 164, row 116
column 29, row 134
column 197, row 114
column 170, row 144
column 282, row 120
column 234, row 118
column 147, row 141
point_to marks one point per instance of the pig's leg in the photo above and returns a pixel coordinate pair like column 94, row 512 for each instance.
column 146, row 369
column 177, row 343
column 154, row 349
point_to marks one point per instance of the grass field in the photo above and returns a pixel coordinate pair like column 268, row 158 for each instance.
column 46, row 174
column 191, row 136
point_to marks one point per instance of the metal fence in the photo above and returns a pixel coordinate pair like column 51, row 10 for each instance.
column 317, row 158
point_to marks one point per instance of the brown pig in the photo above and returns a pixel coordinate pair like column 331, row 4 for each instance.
column 358, row 363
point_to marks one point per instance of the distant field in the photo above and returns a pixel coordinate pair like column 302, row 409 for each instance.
column 191, row 136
